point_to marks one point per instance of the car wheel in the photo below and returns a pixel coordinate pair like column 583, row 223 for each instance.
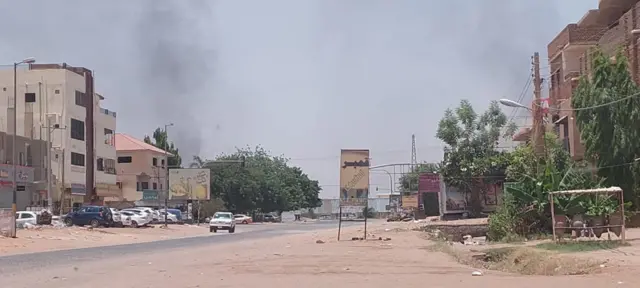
column 68, row 222
column 245, row 222
column 134, row 224
column 232, row 230
column 210, row 229
column 215, row 230
column 94, row 223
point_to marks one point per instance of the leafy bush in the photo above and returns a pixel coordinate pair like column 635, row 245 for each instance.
column 503, row 223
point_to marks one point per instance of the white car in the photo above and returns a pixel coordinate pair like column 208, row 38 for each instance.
column 242, row 219
column 222, row 221
column 26, row 217
column 117, row 220
column 170, row 217
column 134, row 219
column 144, row 213
column 154, row 213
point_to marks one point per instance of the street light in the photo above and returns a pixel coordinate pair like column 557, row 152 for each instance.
column 166, row 161
column 14, row 203
column 511, row 103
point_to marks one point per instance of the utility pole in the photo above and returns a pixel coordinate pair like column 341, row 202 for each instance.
column 166, row 160
column 538, row 116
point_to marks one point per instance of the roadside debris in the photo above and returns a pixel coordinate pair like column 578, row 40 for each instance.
column 319, row 242
column 476, row 273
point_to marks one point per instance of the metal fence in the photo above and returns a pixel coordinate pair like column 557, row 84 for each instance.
column 6, row 222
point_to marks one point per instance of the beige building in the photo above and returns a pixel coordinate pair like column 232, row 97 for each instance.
column 141, row 169
column 83, row 151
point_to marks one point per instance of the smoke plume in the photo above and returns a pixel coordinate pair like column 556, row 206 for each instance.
column 175, row 65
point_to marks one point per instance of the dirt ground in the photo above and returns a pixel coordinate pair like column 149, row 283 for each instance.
column 51, row 238
column 298, row 260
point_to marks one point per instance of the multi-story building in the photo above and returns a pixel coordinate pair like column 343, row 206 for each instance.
column 141, row 169
column 609, row 27
column 52, row 102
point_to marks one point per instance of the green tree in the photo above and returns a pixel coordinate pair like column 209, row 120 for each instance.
column 161, row 141
column 471, row 157
column 609, row 120
column 264, row 184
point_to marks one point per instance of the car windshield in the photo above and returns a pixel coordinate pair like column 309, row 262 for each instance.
column 221, row 216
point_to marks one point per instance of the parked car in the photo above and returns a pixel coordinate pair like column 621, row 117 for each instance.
column 117, row 220
column 243, row 219
column 145, row 213
column 176, row 212
column 170, row 217
column 271, row 218
column 222, row 221
column 90, row 215
column 26, row 217
column 134, row 219
column 155, row 215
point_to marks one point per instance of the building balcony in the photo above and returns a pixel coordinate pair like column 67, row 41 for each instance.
column 573, row 34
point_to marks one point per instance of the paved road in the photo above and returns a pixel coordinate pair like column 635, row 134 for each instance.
column 26, row 262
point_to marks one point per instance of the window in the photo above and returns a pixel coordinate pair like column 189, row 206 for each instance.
column 21, row 159
column 144, row 185
column 77, row 159
column 162, row 162
column 29, row 155
column 154, row 162
column 108, row 137
column 110, row 166
column 125, row 159
column 138, row 186
column 100, row 164
column 29, row 97
column 80, row 99
column 160, row 186
column 155, row 186
column 77, row 129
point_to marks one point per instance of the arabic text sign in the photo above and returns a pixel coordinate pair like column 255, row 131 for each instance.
column 354, row 177
column 429, row 182
column 410, row 201
column 189, row 184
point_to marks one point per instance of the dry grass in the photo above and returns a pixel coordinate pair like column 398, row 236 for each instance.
column 521, row 260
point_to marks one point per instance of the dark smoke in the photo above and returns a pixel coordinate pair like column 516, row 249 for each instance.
column 175, row 66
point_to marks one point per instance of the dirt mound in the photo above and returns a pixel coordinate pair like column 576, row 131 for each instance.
column 524, row 260
column 455, row 233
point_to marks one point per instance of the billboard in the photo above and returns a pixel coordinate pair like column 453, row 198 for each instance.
column 189, row 183
column 354, row 177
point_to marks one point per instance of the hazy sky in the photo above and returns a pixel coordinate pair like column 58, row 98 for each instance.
column 301, row 78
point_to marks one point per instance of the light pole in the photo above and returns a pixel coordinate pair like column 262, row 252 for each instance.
column 511, row 103
column 166, row 161
column 14, row 203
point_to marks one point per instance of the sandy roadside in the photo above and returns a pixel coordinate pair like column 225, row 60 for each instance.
column 296, row 260
column 50, row 238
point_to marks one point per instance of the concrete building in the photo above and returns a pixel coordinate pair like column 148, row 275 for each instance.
column 31, row 174
column 52, row 101
column 610, row 28
column 141, row 170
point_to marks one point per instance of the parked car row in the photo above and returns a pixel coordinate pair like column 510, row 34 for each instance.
column 96, row 216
